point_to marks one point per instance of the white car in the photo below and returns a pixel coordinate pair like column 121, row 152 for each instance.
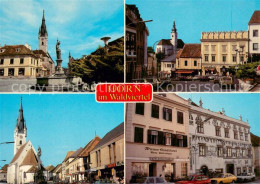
column 154, row 179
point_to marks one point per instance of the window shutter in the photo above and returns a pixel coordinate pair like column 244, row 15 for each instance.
column 174, row 140
column 149, row 137
column 164, row 113
column 160, row 138
column 185, row 141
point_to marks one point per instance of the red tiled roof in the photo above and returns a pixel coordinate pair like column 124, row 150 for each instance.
column 89, row 147
column 191, row 51
column 32, row 169
column 38, row 52
column 18, row 153
column 255, row 19
column 69, row 153
column 4, row 169
column 179, row 53
column 30, row 159
column 8, row 50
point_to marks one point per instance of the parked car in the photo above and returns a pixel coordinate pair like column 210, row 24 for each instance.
column 224, row 178
column 196, row 179
column 226, row 81
column 211, row 77
column 244, row 177
column 189, row 78
column 196, row 77
column 154, row 179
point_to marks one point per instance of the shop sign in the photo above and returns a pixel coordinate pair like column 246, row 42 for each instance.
column 111, row 165
column 160, row 151
column 160, row 158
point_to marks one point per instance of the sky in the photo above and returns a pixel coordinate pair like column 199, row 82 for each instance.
column 194, row 16
column 245, row 104
column 56, row 123
column 78, row 24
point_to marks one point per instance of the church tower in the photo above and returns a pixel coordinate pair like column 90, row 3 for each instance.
column 20, row 131
column 43, row 36
column 174, row 37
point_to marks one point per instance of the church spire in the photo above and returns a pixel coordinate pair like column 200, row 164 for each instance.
column 174, row 27
column 20, row 120
column 43, row 29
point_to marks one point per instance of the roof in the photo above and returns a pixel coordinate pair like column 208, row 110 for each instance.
column 38, row 52
column 57, row 168
column 30, row 158
column 4, row 169
column 18, row 153
column 165, row 42
column 69, row 153
column 89, row 147
column 191, row 51
column 50, row 168
column 21, row 126
column 76, row 153
column 43, row 29
column 171, row 58
column 117, row 131
column 179, row 53
column 12, row 50
column 255, row 19
column 32, row 169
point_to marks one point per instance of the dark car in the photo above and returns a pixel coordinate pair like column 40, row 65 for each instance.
column 196, row 179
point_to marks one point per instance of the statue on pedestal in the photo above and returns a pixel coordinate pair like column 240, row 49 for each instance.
column 59, row 70
column 39, row 177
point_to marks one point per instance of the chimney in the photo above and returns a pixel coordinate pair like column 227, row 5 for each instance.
column 105, row 39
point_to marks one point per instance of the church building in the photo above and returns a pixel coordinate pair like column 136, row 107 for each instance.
column 25, row 162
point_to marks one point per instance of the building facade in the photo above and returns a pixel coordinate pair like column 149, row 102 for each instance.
column 136, row 44
column 222, row 50
column 159, row 131
column 218, row 143
column 254, row 33
column 107, row 158
column 256, row 159
column 188, row 60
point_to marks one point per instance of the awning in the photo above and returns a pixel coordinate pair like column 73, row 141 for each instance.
column 184, row 71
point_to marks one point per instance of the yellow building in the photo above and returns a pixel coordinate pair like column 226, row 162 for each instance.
column 19, row 61
column 107, row 158
column 188, row 60
column 221, row 50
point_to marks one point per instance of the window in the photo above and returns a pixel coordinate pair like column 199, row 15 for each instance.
column 213, row 48
column 237, row 152
column 139, row 135
column 191, row 119
column 206, row 48
column 180, row 142
column 229, row 152
column 224, row 48
column 169, row 65
column 2, row 72
column 255, row 33
column 195, row 63
column 152, row 137
column 168, row 139
column 21, row 142
column 21, row 71
column 186, row 63
column 11, row 72
column 42, row 43
column 21, row 60
column 167, row 114
column 255, row 46
column 226, row 132
column 139, row 108
column 243, row 153
column 213, row 58
column 234, row 47
column 246, row 137
column 1, row 61
column 200, row 128
column 234, row 58
column 11, row 61
column 224, row 58
column 241, row 135
column 235, row 135
column 155, row 111
column 206, row 57
column 184, row 169
column 220, row 151
column 238, row 171
column 179, row 117
column 218, row 131
column 202, row 150
column 241, row 58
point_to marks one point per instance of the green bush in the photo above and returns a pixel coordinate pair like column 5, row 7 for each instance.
column 247, row 71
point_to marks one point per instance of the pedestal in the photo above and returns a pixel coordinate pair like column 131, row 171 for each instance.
column 59, row 70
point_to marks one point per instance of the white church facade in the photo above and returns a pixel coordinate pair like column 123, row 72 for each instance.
column 24, row 163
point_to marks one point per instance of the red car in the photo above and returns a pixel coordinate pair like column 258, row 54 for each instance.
column 196, row 179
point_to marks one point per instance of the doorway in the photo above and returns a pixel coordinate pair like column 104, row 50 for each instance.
column 230, row 168
column 152, row 169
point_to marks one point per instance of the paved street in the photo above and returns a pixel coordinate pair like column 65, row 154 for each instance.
column 193, row 86
column 16, row 85
column 256, row 88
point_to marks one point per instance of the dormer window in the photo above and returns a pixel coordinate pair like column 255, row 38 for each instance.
column 2, row 50
column 18, row 50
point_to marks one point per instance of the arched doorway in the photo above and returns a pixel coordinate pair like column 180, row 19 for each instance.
column 204, row 170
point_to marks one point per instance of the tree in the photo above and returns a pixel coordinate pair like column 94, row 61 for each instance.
column 150, row 50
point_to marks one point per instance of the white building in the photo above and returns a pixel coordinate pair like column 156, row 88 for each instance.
column 25, row 162
column 218, row 143
column 254, row 33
